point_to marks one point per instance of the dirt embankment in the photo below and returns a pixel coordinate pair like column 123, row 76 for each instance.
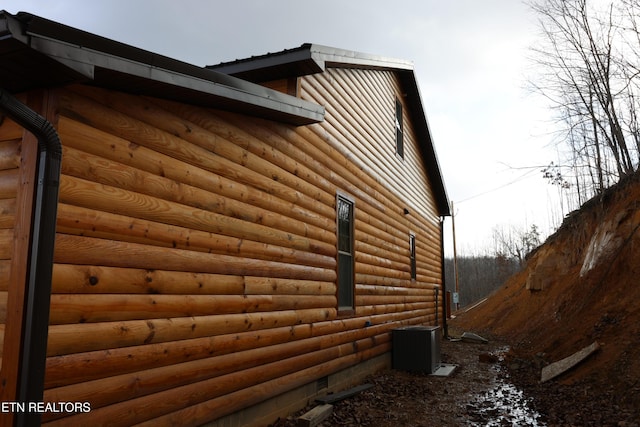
column 581, row 286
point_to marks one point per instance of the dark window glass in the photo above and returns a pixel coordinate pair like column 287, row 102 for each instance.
column 344, row 225
column 412, row 255
column 399, row 133
column 345, row 254
column 345, row 281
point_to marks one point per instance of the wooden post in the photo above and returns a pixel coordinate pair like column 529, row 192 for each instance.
column 455, row 254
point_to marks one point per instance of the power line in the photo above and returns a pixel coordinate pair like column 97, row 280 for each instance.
column 518, row 179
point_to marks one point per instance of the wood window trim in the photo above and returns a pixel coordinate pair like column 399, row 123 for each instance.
column 344, row 309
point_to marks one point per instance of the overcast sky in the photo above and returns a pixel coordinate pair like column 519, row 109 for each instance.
column 470, row 58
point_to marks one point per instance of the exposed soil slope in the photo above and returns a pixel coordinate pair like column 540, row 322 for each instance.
column 582, row 285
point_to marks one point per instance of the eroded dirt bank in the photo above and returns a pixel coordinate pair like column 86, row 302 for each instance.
column 581, row 286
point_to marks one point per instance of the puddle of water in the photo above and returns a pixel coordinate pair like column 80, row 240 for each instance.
column 503, row 405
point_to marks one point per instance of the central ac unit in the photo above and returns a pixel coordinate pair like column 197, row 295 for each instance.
column 416, row 348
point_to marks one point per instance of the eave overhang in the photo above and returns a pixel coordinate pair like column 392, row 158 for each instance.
column 30, row 44
column 312, row 58
column 304, row 60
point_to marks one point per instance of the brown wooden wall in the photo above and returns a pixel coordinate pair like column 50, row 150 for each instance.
column 18, row 152
column 359, row 126
column 10, row 144
column 18, row 157
column 195, row 262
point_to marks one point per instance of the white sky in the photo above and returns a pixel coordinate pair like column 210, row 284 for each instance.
column 470, row 59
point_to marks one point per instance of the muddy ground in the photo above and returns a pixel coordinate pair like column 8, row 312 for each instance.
column 490, row 387
column 579, row 287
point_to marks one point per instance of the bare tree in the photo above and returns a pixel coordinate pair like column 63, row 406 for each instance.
column 479, row 275
column 515, row 243
column 590, row 63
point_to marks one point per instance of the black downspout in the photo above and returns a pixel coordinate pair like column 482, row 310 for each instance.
column 40, row 268
column 445, row 328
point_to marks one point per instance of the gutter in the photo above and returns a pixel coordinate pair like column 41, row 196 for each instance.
column 40, row 259
column 71, row 55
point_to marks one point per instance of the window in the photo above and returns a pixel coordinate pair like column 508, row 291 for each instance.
column 399, row 133
column 345, row 253
column 412, row 255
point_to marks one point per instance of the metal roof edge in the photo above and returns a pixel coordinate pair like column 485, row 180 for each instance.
column 85, row 53
column 331, row 56
column 294, row 62
column 414, row 99
column 304, row 60
column 11, row 27
column 339, row 57
column 271, row 61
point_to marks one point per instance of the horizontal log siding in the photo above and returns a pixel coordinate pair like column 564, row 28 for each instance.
column 196, row 261
column 358, row 136
column 10, row 143
column 368, row 133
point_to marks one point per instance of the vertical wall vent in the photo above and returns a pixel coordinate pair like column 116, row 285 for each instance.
column 322, row 383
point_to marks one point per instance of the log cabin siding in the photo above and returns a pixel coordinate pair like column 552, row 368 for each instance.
column 368, row 133
column 10, row 143
column 195, row 261
column 195, row 267
column 18, row 159
column 196, row 252
column 368, row 142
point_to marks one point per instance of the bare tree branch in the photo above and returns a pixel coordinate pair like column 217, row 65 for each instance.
column 589, row 62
